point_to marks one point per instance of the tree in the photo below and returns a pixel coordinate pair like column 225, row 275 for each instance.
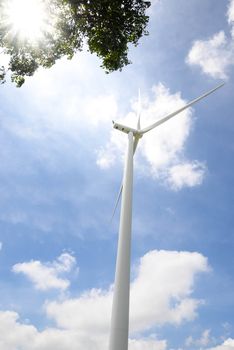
column 105, row 26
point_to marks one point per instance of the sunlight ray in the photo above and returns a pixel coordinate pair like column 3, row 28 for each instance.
column 27, row 19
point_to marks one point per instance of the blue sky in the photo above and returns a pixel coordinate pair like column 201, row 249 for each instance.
column 61, row 168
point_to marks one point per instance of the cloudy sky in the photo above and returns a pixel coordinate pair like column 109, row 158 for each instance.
column 61, row 168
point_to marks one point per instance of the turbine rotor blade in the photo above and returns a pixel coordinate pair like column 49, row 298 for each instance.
column 117, row 202
column 169, row 116
column 136, row 140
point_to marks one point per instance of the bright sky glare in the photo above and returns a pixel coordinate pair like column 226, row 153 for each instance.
column 26, row 18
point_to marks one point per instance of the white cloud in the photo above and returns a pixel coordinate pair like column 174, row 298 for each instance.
column 45, row 276
column 227, row 345
column 147, row 344
column 14, row 335
column 204, row 340
column 100, row 109
column 0, row 245
column 187, row 174
column 160, row 293
column 93, row 308
column 215, row 56
column 162, row 149
column 230, row 12
column 105, row 159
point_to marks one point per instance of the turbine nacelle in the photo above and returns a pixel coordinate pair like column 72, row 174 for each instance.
column 126, row 129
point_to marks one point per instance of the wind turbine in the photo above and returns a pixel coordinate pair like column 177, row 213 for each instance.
column 119, row 328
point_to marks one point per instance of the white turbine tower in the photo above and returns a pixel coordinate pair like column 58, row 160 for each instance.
column 120, row 308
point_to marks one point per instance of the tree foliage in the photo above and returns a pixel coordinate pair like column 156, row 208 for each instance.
column 105, row 26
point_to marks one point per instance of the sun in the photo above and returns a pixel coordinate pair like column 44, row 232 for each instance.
column 27, row 19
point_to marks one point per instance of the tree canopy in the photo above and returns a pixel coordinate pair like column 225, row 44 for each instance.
column 105, row 26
